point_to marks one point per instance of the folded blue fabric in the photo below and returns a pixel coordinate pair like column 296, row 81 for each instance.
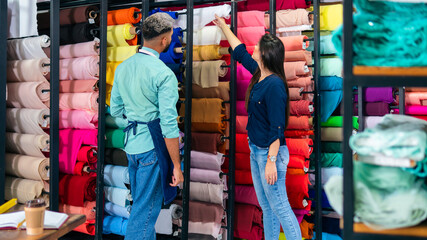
column 116, row 176
column 174, row 15
column 171, row 56
column 329, row 101
column 116, row 210
column 325, row 202
column 330, row 83
column 115, row 225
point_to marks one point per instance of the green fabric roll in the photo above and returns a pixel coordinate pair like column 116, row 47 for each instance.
column 331, row 160
column 115, row 138
column 330, row 66
column 112, row 122
column 337, row 121
column 331, row 147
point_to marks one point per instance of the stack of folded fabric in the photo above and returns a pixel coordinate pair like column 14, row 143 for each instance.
column 291, row 22
column 251, row 27
column 390, row 167
column 263, row 5
column 416, row 102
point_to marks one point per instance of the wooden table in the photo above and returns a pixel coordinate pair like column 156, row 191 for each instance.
column 72, row 222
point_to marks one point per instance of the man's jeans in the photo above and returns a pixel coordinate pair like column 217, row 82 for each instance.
column 273, row 198
column 144, row 176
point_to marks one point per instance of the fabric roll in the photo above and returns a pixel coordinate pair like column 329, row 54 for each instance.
column 81, row 169
column 299, row 82
column 381, row 109
column 264, row 5
column 415, row 98
column 31, row 70
column 377, row 94
column 241, row 109
column 242, row 162
column 111, row 68
column 243, row 74
column 88, row 209
column 251, row 19
column 87, row 154
column 298, row 133
column 114, row 225
column 206, row 53
column 250, row 35
column 112, row 122
column 299, row 214
column 331, row 147
column 171, row 13
column 242, row 144
column 209, row 35
column 75, row 190
column 326, row 45
column 210, row 229
column 87, row 228
column 242, row 177
column 207, row 161
column 119, row 54
column 295, row 94
column 330, row 101
column 24, row 120
column 300, row 55
column 337, row 121
column 207, row 192
column 205, row 176
column 27, row 48
column 331, row 160
column 22, row 189
column 170, row 56
column 222, row 91
column 297, row 189
column 79, row 68
column 371, row 122
column 242, row 86
column 331, row 83
column 207, row 73
column 300, row 123
column 116, row 157
column 28, row 95
column 331, row 66
column 247, row 217
column 84, row 49
column 415, row 89
column 115, row 138
column 164, row 222
column 83, row 101
column 22, row 18
column 123, row 16
column 331, row 134
column 301, row 108
column 295, row 43
column 34, row 168
column 302, row 147
column 27, row 144
column 204, row 212
column 116, row 210
column 413, row 110
column 120, row 35
column 70, row 16
column 118, row 196
column 241, row 123
column 76, row 33
column 207, row 142
column 331, row 16
column 203, row 16
column 70, row 143
column 289, row 18
column 246, row 194
column 78, row 86
column 327, row 173
column 307, row 229
column 116, row 176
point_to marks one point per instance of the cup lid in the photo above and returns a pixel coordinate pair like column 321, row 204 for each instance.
column 35, row 203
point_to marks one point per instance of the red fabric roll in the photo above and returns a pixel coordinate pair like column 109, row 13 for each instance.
column 243, row 161
column 302, row 147
column 421, row 117
column 247, row 217
column 241, row 123
column 242, row 144
column 298, row 133
column 297, row 189
column 88, row 228
column 87, row 154
column 240, row 108
column 297, row 161
column 299, row 123
column 263, row 5
column 79, row 169
column 246, row 194
column 301, row 108
column 242, row 177
column 75, row 190
column 242, row 86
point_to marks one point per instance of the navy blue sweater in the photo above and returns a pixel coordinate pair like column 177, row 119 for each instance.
column 267, row 104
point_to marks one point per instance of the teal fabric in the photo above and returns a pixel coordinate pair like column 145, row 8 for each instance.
column 420, row 169
column 145, row 89
column 331, row 147
column 331, row 160
column 326, row 45
column 330, row 66
column 112, row 122
column 395, row 136
column 330, row 95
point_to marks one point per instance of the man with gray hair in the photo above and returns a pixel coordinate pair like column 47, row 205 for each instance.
column 145, row 92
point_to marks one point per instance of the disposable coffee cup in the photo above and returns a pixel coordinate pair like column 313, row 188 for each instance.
column 34, row 216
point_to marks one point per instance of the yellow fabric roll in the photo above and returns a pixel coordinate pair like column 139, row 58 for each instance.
column 111, row 68
column 330, row 17
column 119, row 54
column 118, row 34
column 108, row 94
column 22, row 189
column 206, row 53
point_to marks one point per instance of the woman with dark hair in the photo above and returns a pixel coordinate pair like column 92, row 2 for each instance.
column 268, row 113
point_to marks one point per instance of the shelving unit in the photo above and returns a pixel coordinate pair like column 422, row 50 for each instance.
column 3, row 73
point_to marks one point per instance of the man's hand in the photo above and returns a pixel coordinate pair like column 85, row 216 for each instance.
column 177, row 177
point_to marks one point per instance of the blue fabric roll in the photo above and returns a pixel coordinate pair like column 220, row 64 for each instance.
column 116, row 210
column 115, row 225
column 176, row 68
column 116, row 176
column 118, row 196
column 325, row 202
column 170, row 56
column 174, row 15
column 330, row 96
column 328, row 236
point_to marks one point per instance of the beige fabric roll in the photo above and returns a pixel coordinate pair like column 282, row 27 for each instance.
column 81, row 101
column 207, row 192
column 34, row 70
column 222, row 91
column 22, row 189
column 27, row 144
column 28, row 95
column 24, row 120
column 206, row 73
column 27, row 167
column 331, row 134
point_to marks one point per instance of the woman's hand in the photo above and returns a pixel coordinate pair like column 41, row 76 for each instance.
column 270, row 172
column 220, row 22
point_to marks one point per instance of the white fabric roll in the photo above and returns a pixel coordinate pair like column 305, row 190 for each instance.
column 209, row 35
column 27, row 48
column 27, row 144
column 371, row 122
column 25, row 120
column 203, row 16
column 118, row 196
column 22, row 18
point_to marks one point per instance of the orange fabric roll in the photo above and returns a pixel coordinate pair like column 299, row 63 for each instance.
column 301, row 108
column 306, row 229
column 299, row 123
column 295, row 43
column 295, row 93
column 302, row 147
column 295, row 171
column 300, row 82
column 294, row 70
column 222, row 91
column 122, row 16
column 299, row 55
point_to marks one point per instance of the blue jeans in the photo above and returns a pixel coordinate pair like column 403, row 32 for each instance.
column 273, row 198
column 147, row 195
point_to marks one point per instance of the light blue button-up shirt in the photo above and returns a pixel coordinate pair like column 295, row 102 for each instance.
column 145, row 89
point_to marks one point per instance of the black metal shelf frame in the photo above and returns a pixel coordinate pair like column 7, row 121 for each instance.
column 3, row 72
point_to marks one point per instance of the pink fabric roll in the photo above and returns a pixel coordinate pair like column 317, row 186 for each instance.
column 78, row 119
column 81, row 101
column 246, row 194
column 241, row 123
column 79, row 68
column 251, row 19
column 77, row 50
column 300, row 55
column 295, row 94
column 240, row 108
column 289, row 18
column 294, row 70
column 242, row 73
column 88, row 210
column 28, row 95
column 301, row 108
column 70, row 142
column 208, row 161
column 300, row 213
column 300, row 82
column 242, row 86
column 205, row 176
column 250, row 35
column 413, row 110
column 77, row 86
column 415, row 98
column 295, row 43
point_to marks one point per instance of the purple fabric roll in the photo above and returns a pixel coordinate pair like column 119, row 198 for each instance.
column 242, row 86
column 299, row 213
column 373, row 109
column 207, row 161
column 240, row 108
column 377, row 94
column 205, row 176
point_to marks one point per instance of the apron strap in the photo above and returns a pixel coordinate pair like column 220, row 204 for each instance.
column 132, row 126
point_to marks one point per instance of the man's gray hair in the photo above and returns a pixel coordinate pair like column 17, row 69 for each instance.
column 156, row 25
